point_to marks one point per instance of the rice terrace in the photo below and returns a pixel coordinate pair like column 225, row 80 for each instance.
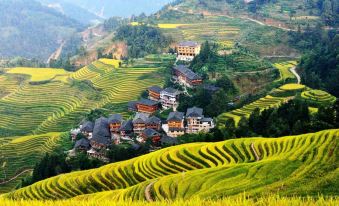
column 169, row 102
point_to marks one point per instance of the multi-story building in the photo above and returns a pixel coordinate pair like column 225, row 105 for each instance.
column 186, row 77
column 196, row 122
column 153, row 123
column 169, row 98
column 139, row 123
column 187, row 50
column 154, row 93
column 175, row 123
column 115, row 122
column 147, row 106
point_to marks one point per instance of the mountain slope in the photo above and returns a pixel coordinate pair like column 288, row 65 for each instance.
column 300, row 165
column 73, row 11
column 31, row 30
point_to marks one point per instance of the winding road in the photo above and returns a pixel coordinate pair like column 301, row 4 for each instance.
column 293, row 70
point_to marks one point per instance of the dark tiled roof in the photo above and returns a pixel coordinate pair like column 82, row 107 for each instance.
column 194, row 112
column 147, row 102
column 87, row 127
column 115, row 118
column 211, row 87
column 175, row 116
column 101, row 133
column 132, row 105
column 187, row 72
column 169, row 140
column 156, row 89
column 171, row 90
column 207, row 119
column 153, row 120
column 82, row 143
column 150, row 133
column 140, row 118
column 188, row 43
column 126, row 126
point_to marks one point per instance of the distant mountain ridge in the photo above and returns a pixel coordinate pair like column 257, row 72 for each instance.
column 31, row 30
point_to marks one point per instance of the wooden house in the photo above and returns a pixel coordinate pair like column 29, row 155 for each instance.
column 154, row 93
column 186, row 77
column 139, row 123
column 186, row 51
column 175, row 123
column 147, row 106
column 153, row 123
column 115, row 122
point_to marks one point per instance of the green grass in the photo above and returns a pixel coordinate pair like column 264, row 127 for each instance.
column 18, row 154
column 294, row 165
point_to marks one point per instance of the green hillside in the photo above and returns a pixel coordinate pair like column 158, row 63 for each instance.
column 295, row 165
column 18, row 156
column 56, row 103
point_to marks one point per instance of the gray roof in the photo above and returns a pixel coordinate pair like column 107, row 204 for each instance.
column 168, row 140
column 115, row 118
column 101, row 133
column 207, row 119
column 132, row 105
column 153, row 120
column 83, row 142
column 126, row 126
column 150, row 133
column 87, row 127
column 171, row 91
column 187, row 72
column 147, row 102
column 194, row 112
column 175, row 116
column 156, row 89
column 188, row 44
column 140, row 118
column 211, row 87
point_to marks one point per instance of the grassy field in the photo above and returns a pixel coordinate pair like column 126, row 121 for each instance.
column 20, row 154
column 240, row 201
column 260, row 166
column 284, row 70
column 57, row 106
column 40, row 74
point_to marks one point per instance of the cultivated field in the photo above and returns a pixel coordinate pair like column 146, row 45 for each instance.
column 259, row 166
column 40, row 74
column 318, row 97
column 18, row 156
column 284, row 70
column 57, row 106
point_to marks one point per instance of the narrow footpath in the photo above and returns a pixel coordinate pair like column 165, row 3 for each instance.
column 16, row 176
column 148, row 194
column 293, row 70
column 255, row 153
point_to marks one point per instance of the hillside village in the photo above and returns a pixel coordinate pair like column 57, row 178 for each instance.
column 99, row 135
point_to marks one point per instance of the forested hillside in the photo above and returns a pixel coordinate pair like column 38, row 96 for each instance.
column 31, row 30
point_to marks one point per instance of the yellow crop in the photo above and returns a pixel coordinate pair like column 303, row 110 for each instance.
column 112, row 62
column 40, row 74
column 170, row 26
column 292, row 87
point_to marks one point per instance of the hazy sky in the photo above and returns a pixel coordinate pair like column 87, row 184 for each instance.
column 123, row 8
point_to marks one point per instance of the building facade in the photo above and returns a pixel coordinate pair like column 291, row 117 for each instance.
column 175, row 122
column 196, row 122
column 186, row 51
column 154, row 93
column 169, row 98
column 186, row 77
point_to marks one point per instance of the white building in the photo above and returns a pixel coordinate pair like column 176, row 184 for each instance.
column 169, row 98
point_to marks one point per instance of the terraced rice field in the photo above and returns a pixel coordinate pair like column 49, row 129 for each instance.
column 318, row 97
column 259, row 166
column 18, row 155
column 39, row 74
column 170, row 26
column 263, row 103
column 293, row 87
column 111, row 62
column 284, row 70
column 58, row 106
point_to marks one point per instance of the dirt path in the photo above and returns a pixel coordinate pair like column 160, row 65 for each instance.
column 255, row 153
column 148, row 194
column 57, row 53
column 16, row 176
column 296, row 74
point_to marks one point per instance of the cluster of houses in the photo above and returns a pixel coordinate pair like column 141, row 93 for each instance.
column 102, row 133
